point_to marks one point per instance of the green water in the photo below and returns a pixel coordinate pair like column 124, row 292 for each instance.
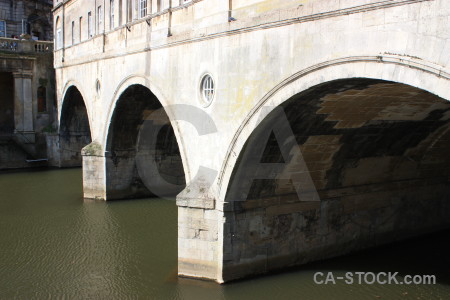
column 55, row 245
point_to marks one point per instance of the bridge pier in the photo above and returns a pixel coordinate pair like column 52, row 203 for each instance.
column 94, row 172
column 106, row 177
column 199, row 233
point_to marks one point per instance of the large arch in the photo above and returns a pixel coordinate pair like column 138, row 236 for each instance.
column 415, row 72
column 377, row 153
column 74, row 128
column 142, row 157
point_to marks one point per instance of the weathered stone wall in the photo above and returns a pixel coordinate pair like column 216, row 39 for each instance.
column 140, row 132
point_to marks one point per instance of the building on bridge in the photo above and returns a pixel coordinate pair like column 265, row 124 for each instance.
column 27, row 82
column 290, row 131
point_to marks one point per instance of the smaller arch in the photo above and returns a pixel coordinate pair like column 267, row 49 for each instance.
column 141, row 150
column 58, row 34
column 72, row 83
column 74, row 128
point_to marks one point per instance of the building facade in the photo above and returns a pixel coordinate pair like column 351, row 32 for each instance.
column 32, row 17
column 27, row 82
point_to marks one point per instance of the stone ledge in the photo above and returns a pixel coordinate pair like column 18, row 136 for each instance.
column 205, row 203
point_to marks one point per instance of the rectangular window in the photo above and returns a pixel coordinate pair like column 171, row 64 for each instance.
column 80, row 23
column 111, row 15
column 100, row 19
column 142, row 8
column 134, row 9
column 58, row 38
column 73, row 32
column 159, row 5
column 120, row 12
column 129, row 11
column 2, row 29
column 90, row 25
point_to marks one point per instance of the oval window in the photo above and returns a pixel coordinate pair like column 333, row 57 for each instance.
column 207, row 89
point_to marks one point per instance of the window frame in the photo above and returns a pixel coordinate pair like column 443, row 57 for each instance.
column 90, row 26
column 5, row 29
column 59, row 38
column 159, row 5
column 111, row 14
column 100, row 19
column 207, row 89
column 80, row 23
column 73, row 32
column 42, row 99
column 142, row 9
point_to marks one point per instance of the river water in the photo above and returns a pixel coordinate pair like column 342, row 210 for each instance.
column 55, row 245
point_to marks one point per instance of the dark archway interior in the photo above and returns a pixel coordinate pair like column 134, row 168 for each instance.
column 74, row 128
column 378, row 154
column 138, row 118
column 357, row 132
column 6, row 104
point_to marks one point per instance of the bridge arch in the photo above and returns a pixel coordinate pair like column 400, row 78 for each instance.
column 142, row 153
column 70, row 84
column 74, row 127
column 142, row 80
column 377, row 153
column 405, row 70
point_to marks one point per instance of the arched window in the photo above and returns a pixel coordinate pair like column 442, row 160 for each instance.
column 58, row 35
column 42, row 99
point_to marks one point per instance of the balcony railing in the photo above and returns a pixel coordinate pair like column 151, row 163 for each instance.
column 25, row 46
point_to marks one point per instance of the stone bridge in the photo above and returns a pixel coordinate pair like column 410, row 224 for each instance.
column 290, row 131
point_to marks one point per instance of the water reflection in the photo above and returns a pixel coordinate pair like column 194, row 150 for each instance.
column 55, row 245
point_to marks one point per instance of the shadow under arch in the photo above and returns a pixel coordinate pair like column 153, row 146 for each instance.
column 377, row 152
column 418, row 72
column 74, row 128
column 142, row 154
